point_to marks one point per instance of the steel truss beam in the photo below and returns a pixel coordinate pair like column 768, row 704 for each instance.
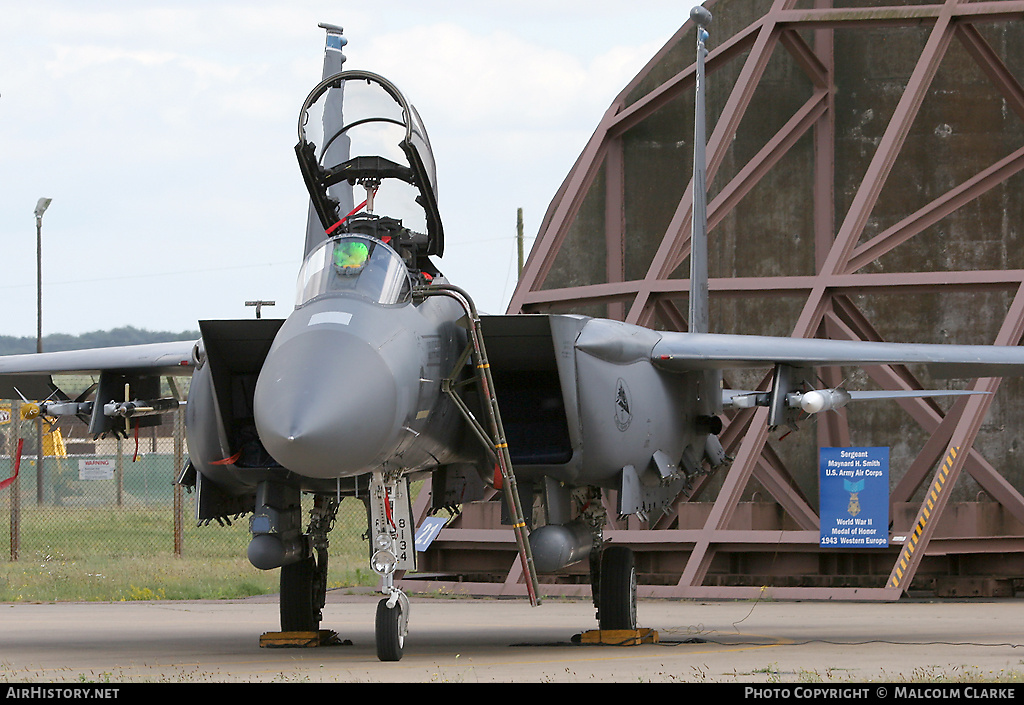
column 828, row 308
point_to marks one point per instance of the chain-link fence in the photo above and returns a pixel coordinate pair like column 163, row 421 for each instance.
column 83, row 496
column 113, row 505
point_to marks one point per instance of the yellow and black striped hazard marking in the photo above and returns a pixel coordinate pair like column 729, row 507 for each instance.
column 924, row 515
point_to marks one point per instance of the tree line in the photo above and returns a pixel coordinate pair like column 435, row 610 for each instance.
column 127, row 335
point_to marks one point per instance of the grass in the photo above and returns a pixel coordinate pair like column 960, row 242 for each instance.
column 109, row 554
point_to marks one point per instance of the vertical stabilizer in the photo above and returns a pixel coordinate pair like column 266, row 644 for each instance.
column 699, row 234
column 338, row 151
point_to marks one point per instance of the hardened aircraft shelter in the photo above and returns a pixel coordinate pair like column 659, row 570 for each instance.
column 863, row 168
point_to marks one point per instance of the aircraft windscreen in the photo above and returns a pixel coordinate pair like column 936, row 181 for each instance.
column 360, row 117
column 356, row 265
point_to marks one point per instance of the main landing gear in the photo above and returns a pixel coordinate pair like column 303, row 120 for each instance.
column 304, row 582
column 612, row 574
column 615, row 589
column 303, row 594
column 613, row 580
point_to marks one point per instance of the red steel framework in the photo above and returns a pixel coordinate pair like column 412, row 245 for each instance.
column 843, row 250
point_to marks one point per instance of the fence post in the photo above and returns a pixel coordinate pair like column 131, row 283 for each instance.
column 15, row 486
column 119, row 471
column 179, row 462
column 40, row 475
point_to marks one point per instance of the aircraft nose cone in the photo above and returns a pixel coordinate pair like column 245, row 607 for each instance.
column 325, row 404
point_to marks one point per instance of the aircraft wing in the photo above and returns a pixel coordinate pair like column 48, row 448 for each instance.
column 681, row 352
column 29, row 375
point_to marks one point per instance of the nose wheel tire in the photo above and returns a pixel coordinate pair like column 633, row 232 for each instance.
column 388, row 631
column 617, row 597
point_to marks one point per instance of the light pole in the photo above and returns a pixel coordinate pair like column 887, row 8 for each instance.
column 41, row 205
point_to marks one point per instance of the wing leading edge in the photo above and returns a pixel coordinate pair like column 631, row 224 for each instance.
column 682, row 352
column 128, row 382
column 794, row 389
column 158, row 358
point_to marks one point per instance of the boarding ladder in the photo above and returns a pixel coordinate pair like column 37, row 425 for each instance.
column 493, row 437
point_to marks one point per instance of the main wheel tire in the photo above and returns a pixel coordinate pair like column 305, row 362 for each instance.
column 617, row 608
column 300, row 609
column 388, row 631
column 595, row 580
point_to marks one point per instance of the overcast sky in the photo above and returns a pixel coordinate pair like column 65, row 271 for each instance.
column 164, row 133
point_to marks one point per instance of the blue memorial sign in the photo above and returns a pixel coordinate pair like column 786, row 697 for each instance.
column 854, row 494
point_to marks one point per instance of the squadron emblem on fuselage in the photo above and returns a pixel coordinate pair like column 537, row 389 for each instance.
column 623, row 414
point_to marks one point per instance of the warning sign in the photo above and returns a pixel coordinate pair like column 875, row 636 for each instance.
column 95, row 469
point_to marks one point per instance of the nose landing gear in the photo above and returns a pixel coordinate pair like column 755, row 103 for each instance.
column 392, row 540
column 391, row 626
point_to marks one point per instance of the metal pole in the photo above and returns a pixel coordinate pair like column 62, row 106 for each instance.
column 699, row 319
column 41, row 205
column 699, row 231
column 519, row 238
column 39, row 349
column 179, row 459
column 39, row 283
column 119, row 471
column 15, row 486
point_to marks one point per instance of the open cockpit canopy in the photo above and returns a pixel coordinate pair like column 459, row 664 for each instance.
column 357, row 130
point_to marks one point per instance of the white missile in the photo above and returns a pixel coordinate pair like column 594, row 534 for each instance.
column 823, row 400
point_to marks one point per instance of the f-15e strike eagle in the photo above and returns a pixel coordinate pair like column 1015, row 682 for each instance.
column 384, row 372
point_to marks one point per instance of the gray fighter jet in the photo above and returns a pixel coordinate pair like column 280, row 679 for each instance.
column 385, row 373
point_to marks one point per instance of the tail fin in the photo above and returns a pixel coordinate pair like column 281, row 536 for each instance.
column 699, row 233
column 333, row 61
